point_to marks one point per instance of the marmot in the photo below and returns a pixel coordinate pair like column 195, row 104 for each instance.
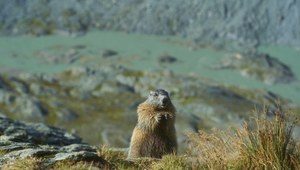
column 154, row 135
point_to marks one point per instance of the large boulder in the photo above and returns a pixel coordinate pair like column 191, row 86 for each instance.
column 21, row 140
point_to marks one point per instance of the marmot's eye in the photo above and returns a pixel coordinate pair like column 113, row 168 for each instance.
column 153, row 93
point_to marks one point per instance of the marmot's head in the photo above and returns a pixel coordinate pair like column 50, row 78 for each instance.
column 159, row 98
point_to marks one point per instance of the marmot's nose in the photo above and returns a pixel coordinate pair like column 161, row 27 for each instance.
column 164, row 101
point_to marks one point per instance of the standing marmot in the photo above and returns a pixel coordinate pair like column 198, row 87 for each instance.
column 154, row 134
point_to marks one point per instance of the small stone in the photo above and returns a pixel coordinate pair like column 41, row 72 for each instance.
column 167, row 59
column 109, row 53
column 78, row 147
column 78, row 156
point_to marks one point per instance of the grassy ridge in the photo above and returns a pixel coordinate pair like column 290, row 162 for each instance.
column 264, row 142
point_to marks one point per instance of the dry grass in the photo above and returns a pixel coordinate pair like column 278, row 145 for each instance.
column 24, row 164
column 68, row 165
column 32, row 163
column 116, row 159
column 172, row 162
column 213, row 151
column 262, row 143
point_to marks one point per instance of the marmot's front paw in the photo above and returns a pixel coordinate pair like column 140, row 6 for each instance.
column 168, row 116
column 158, row 117
column 161, row 117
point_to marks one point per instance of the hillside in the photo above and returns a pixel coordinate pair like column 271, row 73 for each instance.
column 245, row 23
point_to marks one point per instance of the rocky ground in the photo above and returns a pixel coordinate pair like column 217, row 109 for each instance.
column 21, row 141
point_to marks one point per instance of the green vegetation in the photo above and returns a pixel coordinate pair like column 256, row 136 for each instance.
column 36, row 26
column 3, row 152
column 173, row 162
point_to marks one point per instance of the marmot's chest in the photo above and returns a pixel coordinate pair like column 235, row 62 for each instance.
column 157, row 136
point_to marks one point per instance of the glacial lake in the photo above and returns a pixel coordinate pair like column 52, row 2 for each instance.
column 140, row 52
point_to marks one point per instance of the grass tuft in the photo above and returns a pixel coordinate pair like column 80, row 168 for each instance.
column 265, row 142
column 213, row 151
column 269, row 144
column 115, row 159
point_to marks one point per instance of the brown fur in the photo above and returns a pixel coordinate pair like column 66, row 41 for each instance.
column 154, row 134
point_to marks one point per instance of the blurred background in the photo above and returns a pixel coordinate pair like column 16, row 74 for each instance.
column 85, row 65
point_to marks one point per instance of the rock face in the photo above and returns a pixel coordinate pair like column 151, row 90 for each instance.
column 262, row 67
column 206, row 21
column 20, row 140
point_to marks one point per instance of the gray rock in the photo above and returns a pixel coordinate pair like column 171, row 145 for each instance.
column 29, row 153
column 21, row 140
column 128, row 80
column 39, row 89
column 85, row 78
column 34, row 133
column 25, row 76
column 77, row 71
column 30, row 107
column 113, row 87
column 78, row 147
column 66, row 115
column 78, row 156
column 6, row 97
column 35, row 88
column 19, row 86
column 9, row 146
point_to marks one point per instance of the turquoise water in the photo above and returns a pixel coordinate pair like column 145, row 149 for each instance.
column 140, row 52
